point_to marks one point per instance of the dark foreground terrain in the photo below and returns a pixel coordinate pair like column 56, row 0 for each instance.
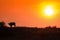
column 25, row 33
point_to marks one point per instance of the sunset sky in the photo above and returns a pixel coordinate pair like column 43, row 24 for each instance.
column 31, row 12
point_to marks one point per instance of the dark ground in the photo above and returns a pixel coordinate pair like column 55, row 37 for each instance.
column 25, row 33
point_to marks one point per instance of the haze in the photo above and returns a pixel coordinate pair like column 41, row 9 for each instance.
column 28, row 12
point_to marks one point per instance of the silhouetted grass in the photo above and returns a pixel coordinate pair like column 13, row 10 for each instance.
column 26, row 33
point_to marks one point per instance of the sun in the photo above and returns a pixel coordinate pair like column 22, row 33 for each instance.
column 49, row 11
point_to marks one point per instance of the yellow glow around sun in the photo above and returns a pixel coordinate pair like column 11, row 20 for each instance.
column 49, row 11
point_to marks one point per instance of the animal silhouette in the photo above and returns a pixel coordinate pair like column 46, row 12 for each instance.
column 12, row 24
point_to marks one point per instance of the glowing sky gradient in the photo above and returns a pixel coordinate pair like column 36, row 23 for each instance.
column 27, row 13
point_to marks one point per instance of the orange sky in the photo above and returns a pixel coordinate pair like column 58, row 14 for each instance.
column 27, row 13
